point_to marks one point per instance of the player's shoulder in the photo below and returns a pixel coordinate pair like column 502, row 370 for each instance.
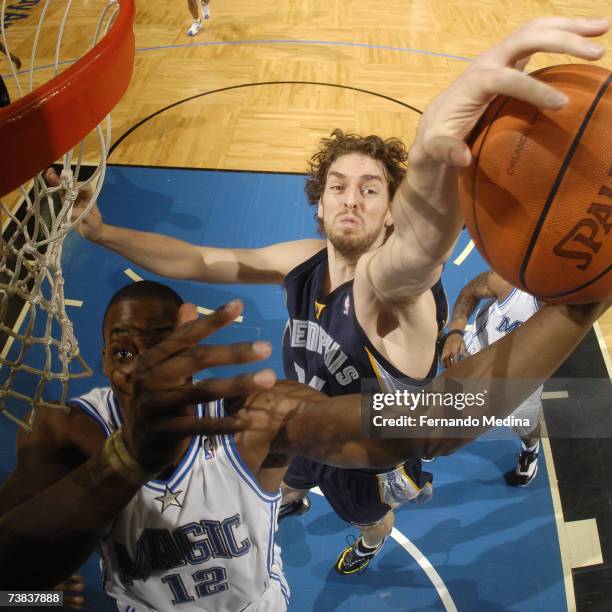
column 63, row 427
column 286, row 256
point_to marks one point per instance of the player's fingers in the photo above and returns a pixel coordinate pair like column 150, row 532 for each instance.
column 195, row 359
column 51, row 177
column 73, row 583
column 446, row 149
column 187, row 312
column 579, row 25
column 509, row 82
column 75, row 602
column 190, row 333
column 553, row 36
column 170, row 401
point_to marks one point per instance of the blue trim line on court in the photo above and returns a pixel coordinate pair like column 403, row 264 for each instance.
column 326, row 43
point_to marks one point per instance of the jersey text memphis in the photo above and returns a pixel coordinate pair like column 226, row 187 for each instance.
column 201, row 540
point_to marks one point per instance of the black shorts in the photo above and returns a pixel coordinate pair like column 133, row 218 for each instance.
column 362, row 497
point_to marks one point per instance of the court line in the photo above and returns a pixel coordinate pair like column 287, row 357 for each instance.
column 220, row 43
column 469, row 247
column 206, row 311
column 564, row 551
column 423, row 562
column 603, row 347
column 324, row 43
column 255, row 84
column 546, row 395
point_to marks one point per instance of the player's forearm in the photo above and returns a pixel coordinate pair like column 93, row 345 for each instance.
column 506, row 373
column 464, row 308
column 159, row 254
column 427, row 223
column 44, row 539
column 426, row 211
column 510, row 370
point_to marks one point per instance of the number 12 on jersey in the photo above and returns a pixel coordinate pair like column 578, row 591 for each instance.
column 208, row 582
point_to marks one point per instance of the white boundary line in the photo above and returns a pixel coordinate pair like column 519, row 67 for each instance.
column 604, row 349
column 566, row 562
column 421, row 559
column 463, row 255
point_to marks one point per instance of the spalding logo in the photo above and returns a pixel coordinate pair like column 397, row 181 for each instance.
column 585, row 238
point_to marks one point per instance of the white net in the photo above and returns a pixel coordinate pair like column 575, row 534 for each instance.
column 39, row 351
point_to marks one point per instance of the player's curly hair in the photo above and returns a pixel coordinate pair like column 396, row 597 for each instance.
column 391, row 152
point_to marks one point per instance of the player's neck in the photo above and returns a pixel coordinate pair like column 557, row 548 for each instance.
column 340, row 269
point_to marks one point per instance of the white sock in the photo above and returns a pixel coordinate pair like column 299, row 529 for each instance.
column 531, row 449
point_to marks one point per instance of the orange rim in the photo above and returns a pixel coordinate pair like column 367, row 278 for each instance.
column 40, row 127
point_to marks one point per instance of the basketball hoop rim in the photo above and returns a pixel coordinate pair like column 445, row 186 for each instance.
column 43, row 125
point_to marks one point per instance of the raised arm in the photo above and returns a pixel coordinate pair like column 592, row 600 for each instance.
column 485, row 286
column 70, row 482
column 174, row 258
column 329, row 430
column 425, row 209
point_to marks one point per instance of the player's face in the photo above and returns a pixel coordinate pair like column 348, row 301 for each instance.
column 354, row 205
column 131, row 327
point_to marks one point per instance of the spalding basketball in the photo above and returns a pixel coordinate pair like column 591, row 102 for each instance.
column 537, row 198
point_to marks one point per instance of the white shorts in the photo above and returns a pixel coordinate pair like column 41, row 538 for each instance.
column 530, row 411
column 274, row 599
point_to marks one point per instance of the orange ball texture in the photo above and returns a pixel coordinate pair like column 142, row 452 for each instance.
column 537, row 198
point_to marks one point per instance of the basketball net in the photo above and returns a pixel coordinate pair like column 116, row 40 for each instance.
column 41, row 353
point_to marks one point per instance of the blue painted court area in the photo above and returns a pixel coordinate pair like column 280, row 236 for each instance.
column 494, row 547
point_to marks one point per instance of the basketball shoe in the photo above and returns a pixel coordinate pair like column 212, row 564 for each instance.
column 205, row 9
column 356, row 557
column 527, row 466
column 196, row 26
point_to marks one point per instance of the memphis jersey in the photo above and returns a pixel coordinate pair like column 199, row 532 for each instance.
column 325, row 347
column 496, row 319
column 203, row 539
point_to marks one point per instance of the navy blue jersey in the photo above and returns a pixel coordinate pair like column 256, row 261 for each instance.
column 325, row 347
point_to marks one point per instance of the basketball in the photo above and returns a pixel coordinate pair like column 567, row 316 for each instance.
column 537, row 198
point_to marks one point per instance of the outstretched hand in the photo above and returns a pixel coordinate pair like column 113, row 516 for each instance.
column 90, row 226
column 452, row 352
column 450, row 118
column 163, row 394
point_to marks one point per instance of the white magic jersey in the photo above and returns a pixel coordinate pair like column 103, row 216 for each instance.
column 493, row 321
column 201, row 540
